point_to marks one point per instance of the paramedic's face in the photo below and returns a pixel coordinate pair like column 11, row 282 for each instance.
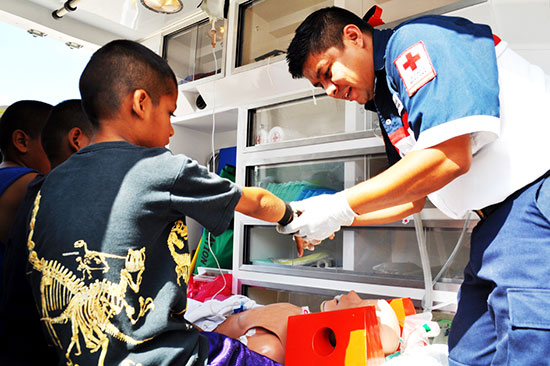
column 161, row 126
column 346, row 73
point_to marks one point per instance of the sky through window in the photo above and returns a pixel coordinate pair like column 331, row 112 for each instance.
column 38, row 68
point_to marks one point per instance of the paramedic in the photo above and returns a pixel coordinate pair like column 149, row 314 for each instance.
column 463, row 116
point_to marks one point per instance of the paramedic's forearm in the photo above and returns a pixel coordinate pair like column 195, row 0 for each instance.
column 392, row 214
column 412, row 178
column 261, row 204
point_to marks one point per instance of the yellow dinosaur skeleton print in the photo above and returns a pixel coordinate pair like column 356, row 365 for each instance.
column 88, row 307
column 93, row 260
column 178, row 238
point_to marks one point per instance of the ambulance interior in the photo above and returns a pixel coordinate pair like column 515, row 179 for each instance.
column 238, row 106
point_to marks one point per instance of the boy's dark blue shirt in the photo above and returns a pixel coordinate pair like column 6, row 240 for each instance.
column 109, row 259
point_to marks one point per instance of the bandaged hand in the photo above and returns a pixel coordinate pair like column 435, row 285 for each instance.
column 301, row 245
column 319, row 217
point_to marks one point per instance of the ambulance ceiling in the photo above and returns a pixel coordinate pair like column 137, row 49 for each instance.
column 94, row 21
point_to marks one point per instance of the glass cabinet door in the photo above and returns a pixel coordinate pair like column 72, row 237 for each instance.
column 297, row 181
column 383, row 253
column 306, row 118
column 266, row 247
column 266, row 27
column 189, row 51
column 392, row 251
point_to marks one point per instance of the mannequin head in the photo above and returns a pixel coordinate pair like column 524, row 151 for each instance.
column 387, row 320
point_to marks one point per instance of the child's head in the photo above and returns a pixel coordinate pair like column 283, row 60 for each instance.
column 126, row 81
column 20, row 129
column 66, row 131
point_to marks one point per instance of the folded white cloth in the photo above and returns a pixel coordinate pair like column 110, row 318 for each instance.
column 244, row 338
column 209, row 314
column 430, row 355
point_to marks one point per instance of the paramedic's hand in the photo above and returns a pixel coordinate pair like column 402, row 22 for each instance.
column 319, row 217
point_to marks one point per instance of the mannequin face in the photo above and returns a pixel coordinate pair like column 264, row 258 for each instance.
column 387, row 320
column 347, row 301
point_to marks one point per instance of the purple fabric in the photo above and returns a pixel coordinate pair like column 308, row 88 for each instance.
column 225, row 351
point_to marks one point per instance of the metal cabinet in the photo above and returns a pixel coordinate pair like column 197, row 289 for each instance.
column 296, row 143
column 307, row 146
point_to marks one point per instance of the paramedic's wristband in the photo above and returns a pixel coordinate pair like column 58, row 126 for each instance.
column 288, row 216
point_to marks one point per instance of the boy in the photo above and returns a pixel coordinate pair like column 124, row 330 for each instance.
column 108, row 241
column 22, row 155
column 22, row 159
column 66, row 130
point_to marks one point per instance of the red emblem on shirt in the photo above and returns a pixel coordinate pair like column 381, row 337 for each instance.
column 415, row 67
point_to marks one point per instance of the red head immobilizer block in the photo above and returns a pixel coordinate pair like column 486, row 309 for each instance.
column 349, row 337
column 403, row 307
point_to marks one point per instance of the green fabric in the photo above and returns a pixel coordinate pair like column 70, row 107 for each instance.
column 222, row 245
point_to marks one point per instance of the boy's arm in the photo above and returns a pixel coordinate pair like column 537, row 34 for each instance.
column 261, row 204
column 264, row 205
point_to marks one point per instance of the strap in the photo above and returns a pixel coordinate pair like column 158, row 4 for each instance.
column 288, row 216
column 374, row 16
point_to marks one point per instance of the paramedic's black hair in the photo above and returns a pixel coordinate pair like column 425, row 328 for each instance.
column 28, row 116
column 63, row 118
column 118, row 69
column 321, row 30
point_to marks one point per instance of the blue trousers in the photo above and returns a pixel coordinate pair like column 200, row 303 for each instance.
column 503, row 315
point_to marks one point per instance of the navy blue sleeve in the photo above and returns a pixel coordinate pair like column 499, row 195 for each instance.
column 204, row 196
column 444, row 71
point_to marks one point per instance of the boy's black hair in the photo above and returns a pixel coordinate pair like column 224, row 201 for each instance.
column 28, row 116
column 63, row 117
column 118, row 69
column 321, row 30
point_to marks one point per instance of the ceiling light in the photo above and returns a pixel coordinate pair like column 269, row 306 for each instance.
column 73, row 45
column 36, row 33
column 163, row 6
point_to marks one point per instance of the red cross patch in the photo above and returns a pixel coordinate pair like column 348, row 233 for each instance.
column 415, row 67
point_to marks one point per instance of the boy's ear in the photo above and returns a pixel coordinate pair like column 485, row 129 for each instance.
column 75, row 137
column 140, row 100
column 20, row 141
